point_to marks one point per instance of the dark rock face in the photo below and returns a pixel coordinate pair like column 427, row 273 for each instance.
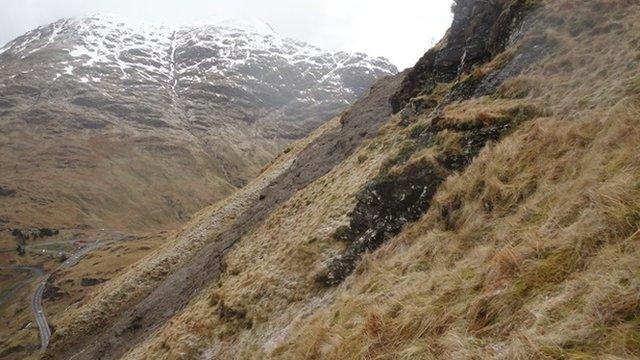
column 390, row 201
column 486, row 84
column 470, row 33
column 6, row 191
column 480, row 30
column 527, row 54
column 393, row 200
column 229, row 314
column 383, row 207
column 91, row 281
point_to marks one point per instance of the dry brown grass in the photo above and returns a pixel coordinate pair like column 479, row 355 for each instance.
column 550, row 268
column 536, row 256
column 291, row 245
column 179, row 247
column 125, row 178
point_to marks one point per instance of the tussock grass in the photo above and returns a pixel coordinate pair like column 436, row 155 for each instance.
column 537, row 255
column 180, row 247
column 531, row 252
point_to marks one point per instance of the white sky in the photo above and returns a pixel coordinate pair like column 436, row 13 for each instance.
column 401, row 30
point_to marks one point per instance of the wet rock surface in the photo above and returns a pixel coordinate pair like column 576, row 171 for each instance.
column 392, row 200
column 526, row 55
column 480, row 30
column 383, row 207
column 475, row 85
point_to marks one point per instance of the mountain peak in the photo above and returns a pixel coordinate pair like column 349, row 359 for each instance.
column 204, row 84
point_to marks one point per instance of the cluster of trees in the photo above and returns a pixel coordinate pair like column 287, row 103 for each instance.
column 22, row 236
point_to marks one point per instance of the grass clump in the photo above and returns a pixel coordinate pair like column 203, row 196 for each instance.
column 634, row 86
column 553, row 267
column 342, row 233
column 407, row 148
column 416, row 130
column 515, row 88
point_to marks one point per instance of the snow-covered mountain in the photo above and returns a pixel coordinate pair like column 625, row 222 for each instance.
column 217, row 94
column 279, row 78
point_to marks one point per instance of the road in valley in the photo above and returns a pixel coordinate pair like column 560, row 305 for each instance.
column 36, row 299
column 38, row 313
column 107, row 237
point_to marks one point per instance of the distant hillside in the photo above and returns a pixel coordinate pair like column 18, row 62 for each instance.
column 113, row 124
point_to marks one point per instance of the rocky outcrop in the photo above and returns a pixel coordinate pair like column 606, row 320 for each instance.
column 394, row 199
column 91, row 281
column 35, row 233
column 4, row 191
column 480, row 30
column 52, row 293
column 383, row 207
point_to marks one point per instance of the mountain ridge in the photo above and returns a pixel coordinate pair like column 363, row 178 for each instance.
column 222, row 97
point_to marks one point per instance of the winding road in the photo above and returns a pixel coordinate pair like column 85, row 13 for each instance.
column 38, row 313
column 36, row 299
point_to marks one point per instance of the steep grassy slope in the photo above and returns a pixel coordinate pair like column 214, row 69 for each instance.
column 496, row 214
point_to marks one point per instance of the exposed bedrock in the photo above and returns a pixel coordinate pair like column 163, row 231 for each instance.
column 480, row 30
column 391, row 200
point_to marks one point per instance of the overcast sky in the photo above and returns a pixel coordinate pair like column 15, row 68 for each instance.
column 401, row 30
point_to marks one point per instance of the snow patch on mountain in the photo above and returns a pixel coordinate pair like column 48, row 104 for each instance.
column 196, row 69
